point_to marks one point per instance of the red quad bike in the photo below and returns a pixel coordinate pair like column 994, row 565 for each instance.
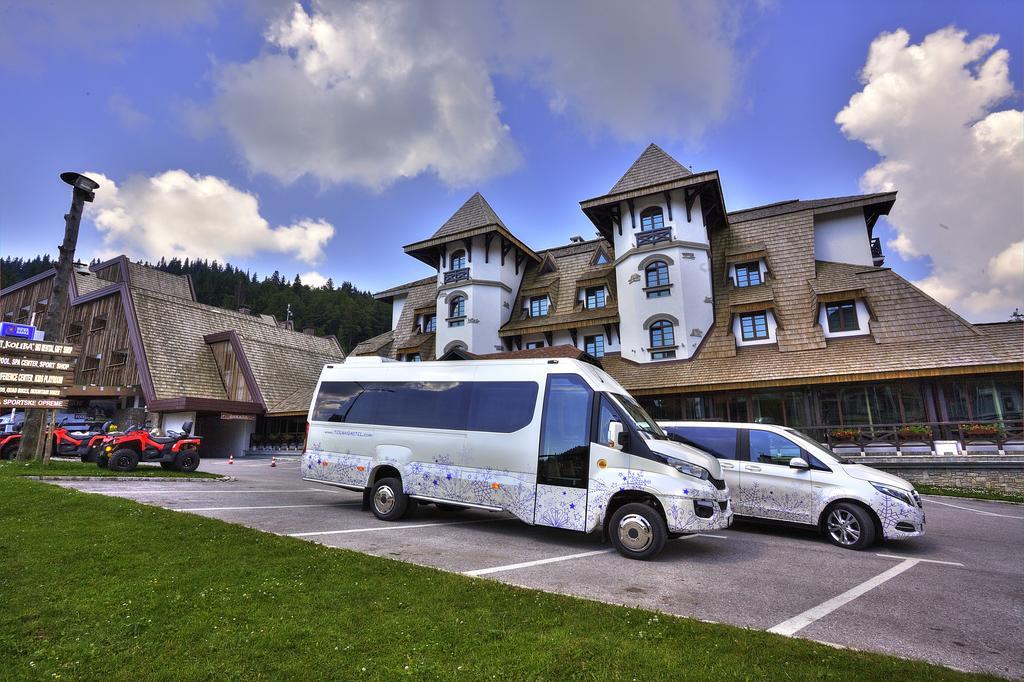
column 177, row 451
column 99, row 453
column 82, row 444
column 9, row 443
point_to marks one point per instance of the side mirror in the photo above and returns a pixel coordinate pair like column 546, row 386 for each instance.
column 617, row 437
column 799, row 463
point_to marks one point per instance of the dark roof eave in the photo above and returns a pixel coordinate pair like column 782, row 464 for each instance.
column 425, row 250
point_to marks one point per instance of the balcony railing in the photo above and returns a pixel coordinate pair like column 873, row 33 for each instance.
column 663, row 234
column 971, row 435
column 876, row 251
column 456, row 275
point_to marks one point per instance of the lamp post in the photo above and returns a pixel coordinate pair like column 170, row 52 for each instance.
column 83, row 190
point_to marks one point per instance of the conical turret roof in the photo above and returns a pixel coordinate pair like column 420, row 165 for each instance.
column 476, row 212
column 653, row 167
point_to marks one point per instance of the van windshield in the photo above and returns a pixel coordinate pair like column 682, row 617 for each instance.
column 639, row 415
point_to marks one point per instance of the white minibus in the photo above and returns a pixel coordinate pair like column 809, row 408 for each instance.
column 778, row 474
column 555, row 442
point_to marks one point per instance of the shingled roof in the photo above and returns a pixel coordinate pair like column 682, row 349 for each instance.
column 652, row 167
column 476, row 212
column 796, row 205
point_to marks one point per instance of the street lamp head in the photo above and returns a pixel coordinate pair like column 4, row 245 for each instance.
column 80, row 183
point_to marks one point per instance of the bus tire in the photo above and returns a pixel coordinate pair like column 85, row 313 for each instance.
column 388, row 501
column 637, row 531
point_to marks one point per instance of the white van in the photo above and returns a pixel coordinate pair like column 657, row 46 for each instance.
column 554, row 442
column 779, row 474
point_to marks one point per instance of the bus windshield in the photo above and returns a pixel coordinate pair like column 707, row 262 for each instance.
column 639, row 415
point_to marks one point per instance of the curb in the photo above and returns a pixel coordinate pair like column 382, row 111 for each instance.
column 162, row 479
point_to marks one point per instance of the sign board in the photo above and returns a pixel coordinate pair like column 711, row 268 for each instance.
column 33, row 363
column 31, row 391
column 238, row 417
column 32, row 378
column 24, row 331
column 9, row 346
column 34, row 403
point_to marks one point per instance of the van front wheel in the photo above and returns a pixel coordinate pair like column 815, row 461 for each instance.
column 637, row 531
column 388, row 501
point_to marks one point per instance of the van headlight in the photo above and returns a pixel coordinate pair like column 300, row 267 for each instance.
column 898, row 493
column 691, row 470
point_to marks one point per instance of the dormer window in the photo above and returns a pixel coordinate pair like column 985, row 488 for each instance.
column 429, row 324
column 532, row 345
column 601, row 258
column 458, row 260
column 595, row 297
column 652, row 219
column 748, row 274
column 457, row 312
column 841, row 316
column 754, row 326
column 539, row 306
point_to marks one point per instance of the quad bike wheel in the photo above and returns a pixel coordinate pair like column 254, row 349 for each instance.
column 124, row 459
column 187, row 460
column 9, row 451
column 102, row 459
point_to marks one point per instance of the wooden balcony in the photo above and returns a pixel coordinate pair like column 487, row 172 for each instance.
column 453, row 276
column 663, row 234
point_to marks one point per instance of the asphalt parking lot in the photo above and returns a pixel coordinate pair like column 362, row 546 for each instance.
column 954, row 597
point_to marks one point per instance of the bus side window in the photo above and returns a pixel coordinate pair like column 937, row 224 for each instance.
column 334, row 400
column 565, row 434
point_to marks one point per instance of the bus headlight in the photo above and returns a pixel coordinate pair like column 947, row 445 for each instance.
column 691, row 470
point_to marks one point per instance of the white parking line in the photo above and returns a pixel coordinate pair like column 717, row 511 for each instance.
column 171, row 491
column 276, row 506
column 928, row 561
column 389, row 527
column 976, row 511
column 567, row 557
column 802, row 620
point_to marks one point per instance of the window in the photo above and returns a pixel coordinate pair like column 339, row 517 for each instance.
column 656, row 275
column 41, row 306
column 492, row 406
column 718, row 442
column 99, row 323
column 602, row 258
column 605, row 415
column 539, row 306
column 23, row 315
column 771, row 448
column 565, row 437
column 662, row 337
column 457, row 312
column 118, row 358
column 748, row 274
column 530, row 345
column 458, row 260
column 595, row 297
column 429, row 324
column 594, row 345
column 651, row 219
column 842, row 316
column 754, row 327
column 412, row 357
column 9, row 316
column 74, row 331
column 92, row 363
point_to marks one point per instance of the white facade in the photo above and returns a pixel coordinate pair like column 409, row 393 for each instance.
column 842, row 237
column 688, row 306
column 397, row 304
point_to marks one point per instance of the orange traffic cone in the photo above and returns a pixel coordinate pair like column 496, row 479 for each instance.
column 273, row 461
column 231, row 459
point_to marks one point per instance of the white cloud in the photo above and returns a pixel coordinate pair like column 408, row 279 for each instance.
column 366, row 93
column 640, row 70
column 927, row 110
column 313, row 279
column 371, row 92
column 195, row 216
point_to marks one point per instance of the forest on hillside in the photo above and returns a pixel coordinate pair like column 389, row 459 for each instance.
column 342, row 310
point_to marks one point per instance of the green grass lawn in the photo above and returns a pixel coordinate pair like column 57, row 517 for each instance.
column 96, row 587
column 973, row 493
column 65, row 468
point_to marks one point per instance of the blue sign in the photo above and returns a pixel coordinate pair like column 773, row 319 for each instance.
column 23, row 331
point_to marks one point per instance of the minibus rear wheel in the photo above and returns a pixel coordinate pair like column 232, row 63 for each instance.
column 637, row 531
column 387, row 501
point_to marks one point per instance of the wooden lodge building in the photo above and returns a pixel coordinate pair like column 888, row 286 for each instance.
column 150, row 352
column 781, row 313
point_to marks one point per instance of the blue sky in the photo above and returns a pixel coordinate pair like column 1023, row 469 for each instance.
column 130, row 95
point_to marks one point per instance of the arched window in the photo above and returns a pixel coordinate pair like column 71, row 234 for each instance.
column 458, row 260
column 662, row 335
column 652, row 219
column 457, row 311
column 657, row 274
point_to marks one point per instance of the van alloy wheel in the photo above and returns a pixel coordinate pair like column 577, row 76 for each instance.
column 843, row 527
column 635, row 533
column 384, row 500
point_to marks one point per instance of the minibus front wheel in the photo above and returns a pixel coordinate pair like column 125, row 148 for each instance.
column 637, row 531
column 388, row 501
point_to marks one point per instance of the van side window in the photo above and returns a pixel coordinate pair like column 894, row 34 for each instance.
column 334, row 400
column 502, row 406
column 718, row 442
column 565, row 434
column 606, row 414
column 771, row 448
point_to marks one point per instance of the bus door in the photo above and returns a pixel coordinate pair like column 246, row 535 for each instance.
column 563, row 467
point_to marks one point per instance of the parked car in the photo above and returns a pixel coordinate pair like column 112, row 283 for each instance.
column 778, row 474
column 554, row 442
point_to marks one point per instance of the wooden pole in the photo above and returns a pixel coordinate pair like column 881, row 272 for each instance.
column 48, row 435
